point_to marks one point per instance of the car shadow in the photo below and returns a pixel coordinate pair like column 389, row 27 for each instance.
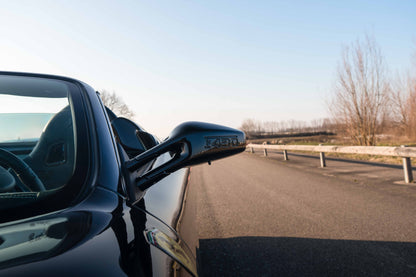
column 289, row 256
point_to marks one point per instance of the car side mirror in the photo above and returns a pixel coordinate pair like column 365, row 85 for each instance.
column 190, row 143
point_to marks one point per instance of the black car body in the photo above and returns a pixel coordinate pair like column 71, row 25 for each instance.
column 93, row 194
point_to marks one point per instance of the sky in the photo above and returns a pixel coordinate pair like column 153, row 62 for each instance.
column 213, row 61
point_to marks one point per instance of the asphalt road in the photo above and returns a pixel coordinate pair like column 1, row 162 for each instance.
column 260, row 216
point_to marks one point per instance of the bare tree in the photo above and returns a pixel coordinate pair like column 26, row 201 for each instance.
column 361, row 91
column 400, row 94
column 116, row 104
column 404, row 105
column 411, row 100
column 249, row 127
column 411, row 104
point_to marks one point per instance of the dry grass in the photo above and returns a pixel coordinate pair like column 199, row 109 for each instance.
column 334, row 140
column 371, row 158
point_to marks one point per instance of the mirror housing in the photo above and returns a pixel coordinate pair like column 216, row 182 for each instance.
column 190, row 143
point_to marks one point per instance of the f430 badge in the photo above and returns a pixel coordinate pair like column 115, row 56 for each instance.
column 220, row 142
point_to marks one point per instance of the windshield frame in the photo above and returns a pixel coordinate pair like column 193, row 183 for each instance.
column 76, row 188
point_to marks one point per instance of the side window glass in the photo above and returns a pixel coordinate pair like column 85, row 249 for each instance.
column 37, row 146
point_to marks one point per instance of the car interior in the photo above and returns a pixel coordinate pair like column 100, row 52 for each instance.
column 51, row 156
column 37, row 145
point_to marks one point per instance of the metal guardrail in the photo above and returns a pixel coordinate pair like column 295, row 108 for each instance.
column 405, row 152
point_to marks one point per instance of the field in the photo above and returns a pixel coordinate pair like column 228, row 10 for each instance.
column 336, row 140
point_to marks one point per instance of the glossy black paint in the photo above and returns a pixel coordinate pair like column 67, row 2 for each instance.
column 100, row 230
column 101, row 237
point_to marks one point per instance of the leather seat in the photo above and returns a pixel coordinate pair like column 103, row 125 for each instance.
column 53, row 156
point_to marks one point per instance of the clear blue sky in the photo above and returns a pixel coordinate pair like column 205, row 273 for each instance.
column 215, row 61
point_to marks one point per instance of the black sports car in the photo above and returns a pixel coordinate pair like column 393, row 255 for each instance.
column 86, row 193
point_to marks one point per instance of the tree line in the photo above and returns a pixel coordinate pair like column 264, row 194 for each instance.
column 366, row 99
column 254, row 128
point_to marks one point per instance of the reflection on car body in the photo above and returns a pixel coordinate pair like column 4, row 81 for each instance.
column 85, row 193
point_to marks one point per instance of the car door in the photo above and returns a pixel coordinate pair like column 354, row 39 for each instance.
column 161, row 204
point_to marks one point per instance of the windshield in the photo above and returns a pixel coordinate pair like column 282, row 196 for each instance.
column 22, row 118
column 36, row 137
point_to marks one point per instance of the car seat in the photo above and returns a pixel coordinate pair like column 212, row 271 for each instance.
column 53, row 156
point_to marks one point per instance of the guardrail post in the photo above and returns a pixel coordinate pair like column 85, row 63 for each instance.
column 285, row 155
column 322, row 156
column 407, row 168
column 264, row 149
